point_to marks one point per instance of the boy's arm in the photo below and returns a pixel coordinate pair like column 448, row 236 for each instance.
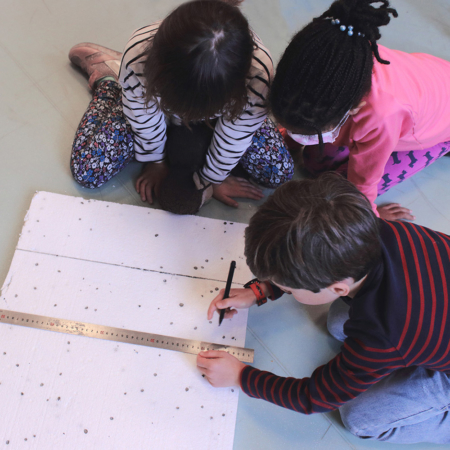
column 343, row 378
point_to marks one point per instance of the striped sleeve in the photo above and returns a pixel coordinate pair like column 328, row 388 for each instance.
column 232, row 138
column 343, row 378
column 148, row 122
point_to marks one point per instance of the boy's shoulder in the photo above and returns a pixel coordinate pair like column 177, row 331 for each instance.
column 408, row 237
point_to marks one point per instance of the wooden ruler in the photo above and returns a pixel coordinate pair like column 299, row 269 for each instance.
column 120, row 334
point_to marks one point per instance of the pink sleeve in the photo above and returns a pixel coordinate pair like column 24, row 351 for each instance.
column 373, row 143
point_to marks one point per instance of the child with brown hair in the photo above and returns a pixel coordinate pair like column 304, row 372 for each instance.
column 190, row 103
column 320, row 241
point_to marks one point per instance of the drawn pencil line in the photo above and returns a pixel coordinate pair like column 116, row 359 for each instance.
column 122, row 265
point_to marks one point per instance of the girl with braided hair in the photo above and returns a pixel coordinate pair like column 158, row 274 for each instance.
column 188, row 99
column 373, row 114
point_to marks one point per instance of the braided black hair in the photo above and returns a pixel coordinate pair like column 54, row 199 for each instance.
column 324, row 72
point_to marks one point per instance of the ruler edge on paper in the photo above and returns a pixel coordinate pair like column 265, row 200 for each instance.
column 152, row 340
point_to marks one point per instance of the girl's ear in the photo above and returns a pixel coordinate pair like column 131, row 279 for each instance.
column 355, row 111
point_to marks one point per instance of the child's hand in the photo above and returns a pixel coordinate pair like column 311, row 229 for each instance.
column 149, row 180
column 239, row 298
column 235, row 187
column 220, row 368
column 394, row 211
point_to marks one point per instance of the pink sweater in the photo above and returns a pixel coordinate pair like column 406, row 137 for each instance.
column 408, row 108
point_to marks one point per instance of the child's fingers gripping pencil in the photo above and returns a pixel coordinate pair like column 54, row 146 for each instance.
column 227, row 288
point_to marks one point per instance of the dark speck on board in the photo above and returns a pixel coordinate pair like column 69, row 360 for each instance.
column 195, row 328
column 36, row 264
column 21, row 393
column 7, row 442
column 59, row 398
column 224, row 223
column 111, row 418
column 223, row 415
column 211, row 417
column 171, row 323
column 206, row 260
column 201, row 406
column 54, row 304
column 217, row 288
column 232, row 390
column 156, row 235
column 155, row 374
column 181, row 304
column 17, row 365
column 178, row 407
column 85, row 431
column 86, row 307
column 42, row 384
column 195, row 267
column 221, row 258
column 210, row 321
column 142, row 390
column 223, row 337
column 187, row 389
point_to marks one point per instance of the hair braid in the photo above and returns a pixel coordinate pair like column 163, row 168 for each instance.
column 324, row 72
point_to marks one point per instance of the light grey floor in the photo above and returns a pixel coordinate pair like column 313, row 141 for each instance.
column 42, row 99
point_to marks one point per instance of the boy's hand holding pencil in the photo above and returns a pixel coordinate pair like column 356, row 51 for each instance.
column 238, row 299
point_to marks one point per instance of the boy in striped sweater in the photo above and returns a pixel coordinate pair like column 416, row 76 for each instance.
column 320, row 241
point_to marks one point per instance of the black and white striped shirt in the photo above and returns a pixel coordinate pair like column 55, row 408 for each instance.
column 231, row 138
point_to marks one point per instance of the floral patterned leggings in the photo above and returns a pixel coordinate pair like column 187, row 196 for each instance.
column 103, row 145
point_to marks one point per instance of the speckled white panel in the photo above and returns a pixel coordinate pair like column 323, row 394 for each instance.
column 134, row 236
column 62, row 391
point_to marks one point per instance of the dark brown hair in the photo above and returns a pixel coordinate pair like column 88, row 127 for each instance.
column 310, row 234
column 198, row 61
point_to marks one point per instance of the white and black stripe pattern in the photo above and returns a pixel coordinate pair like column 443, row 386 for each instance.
column 231, row 138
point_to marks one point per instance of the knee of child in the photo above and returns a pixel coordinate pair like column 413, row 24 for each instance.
column 353, row 420
column 93, row 181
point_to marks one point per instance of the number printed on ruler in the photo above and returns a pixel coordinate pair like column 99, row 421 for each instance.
column 120, row 334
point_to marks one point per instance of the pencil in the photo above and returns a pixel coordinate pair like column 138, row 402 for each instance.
column 227, row 288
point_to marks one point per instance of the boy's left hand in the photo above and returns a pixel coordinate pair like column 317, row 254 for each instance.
column 220, row 368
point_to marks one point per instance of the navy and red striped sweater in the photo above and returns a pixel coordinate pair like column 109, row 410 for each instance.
column 400, row 317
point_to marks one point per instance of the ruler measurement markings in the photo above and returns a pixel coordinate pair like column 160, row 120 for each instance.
column 120, row 335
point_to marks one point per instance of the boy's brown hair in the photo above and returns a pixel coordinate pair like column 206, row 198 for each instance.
column 310, row 234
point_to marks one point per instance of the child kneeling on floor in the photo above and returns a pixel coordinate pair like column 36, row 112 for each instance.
column 320, row 241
